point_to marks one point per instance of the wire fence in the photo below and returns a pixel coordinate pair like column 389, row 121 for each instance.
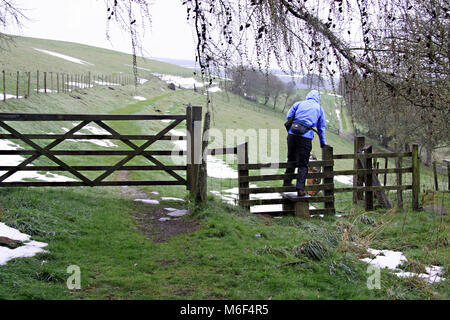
column 23, row 84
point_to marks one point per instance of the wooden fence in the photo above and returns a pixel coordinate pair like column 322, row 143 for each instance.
column 366, row 170
column 24, row 83
column 365, row 179
column 193, row 142
column 244, row 179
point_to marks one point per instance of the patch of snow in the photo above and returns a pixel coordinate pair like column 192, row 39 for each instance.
column 344, row 179
column 154, row 192
column 65, row 57
column 148, row 201
column 385, row 258
column 164, row 219
column 393, row 259
column 214, row 89
column 129, row 65
column 335, row 95
column 186, row 83
column 48, row 90
column 432, row 274
column 181, row 144
column 29, row 249
column 139, row 98
column 94, row 130
column 178, row 213
column 9, row 96
column 103, row 83
column 170, row 209
column 171, row 199
column 78, row 85
column 142, row 81
column 14, row 160
column 266, row 208
column 217, row 168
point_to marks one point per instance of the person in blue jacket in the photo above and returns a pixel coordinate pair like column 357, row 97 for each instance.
column 309, row 113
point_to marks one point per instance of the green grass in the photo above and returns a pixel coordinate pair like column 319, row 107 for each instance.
column 96, row 229
column 224, row 259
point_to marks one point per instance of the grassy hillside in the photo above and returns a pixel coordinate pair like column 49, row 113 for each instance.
column 218, row 251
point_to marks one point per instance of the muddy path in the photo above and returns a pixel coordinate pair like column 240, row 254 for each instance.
column 155, row 220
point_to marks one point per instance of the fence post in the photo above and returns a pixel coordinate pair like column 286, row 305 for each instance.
column 448, row 173
column 368, row 180
column 415, row 177
column 399, row 164
column 45, row 82
column 242, row 153
column 29, row 83
column 358, row 144
column 189, row 129
column 17, row 85
column 37, row 83
column 327, row 154
column 436, row 185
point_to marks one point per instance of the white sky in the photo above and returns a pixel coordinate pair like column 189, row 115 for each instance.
column 84, row 21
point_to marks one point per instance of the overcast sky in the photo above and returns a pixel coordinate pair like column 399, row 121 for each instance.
column 84, row 21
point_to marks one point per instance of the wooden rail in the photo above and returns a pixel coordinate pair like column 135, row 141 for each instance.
column 244, row 179
column 365, row 188
column 83, row 120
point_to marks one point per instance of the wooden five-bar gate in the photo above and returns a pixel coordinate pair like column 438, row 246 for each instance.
column 193, row 115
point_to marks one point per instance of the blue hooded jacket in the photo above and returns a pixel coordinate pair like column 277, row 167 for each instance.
column 310, row 113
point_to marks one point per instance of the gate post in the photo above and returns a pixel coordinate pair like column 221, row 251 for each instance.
column 415, row 177
column 358, row 179
column 327, row 154
column 194, row 146
column 188, row 147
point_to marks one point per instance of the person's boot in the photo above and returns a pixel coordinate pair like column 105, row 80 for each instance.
column 302, row 193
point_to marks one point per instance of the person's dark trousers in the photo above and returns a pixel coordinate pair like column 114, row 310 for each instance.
column 299, row 150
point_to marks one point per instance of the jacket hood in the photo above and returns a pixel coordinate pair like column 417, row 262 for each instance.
column 313, row 95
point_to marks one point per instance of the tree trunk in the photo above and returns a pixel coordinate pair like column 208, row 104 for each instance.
column 275, row 101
